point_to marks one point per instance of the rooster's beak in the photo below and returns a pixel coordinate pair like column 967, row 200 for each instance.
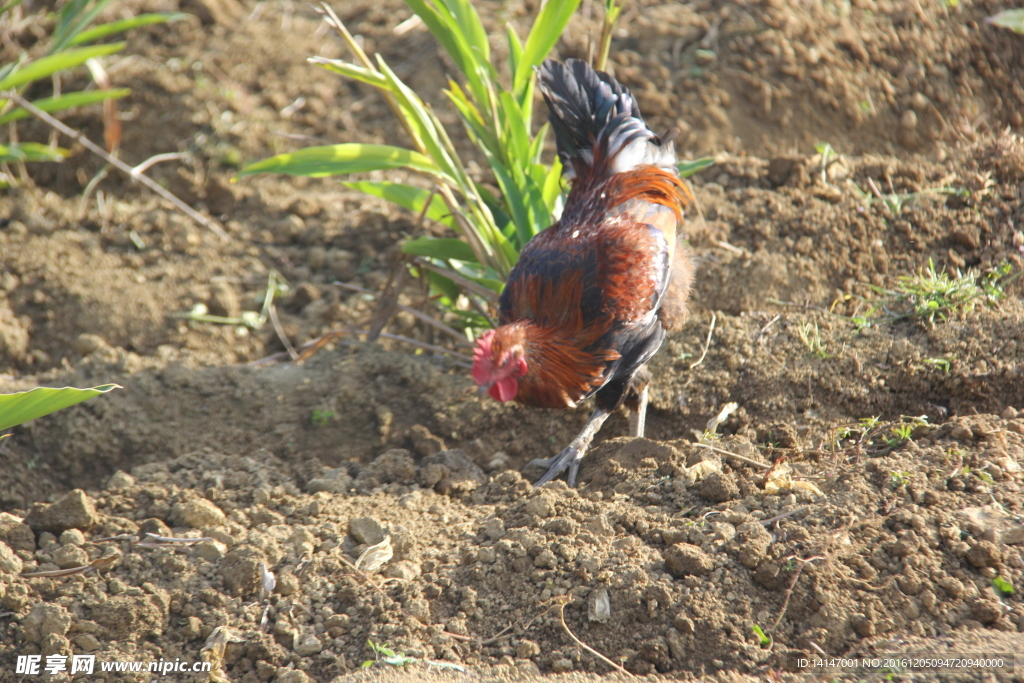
column 483, row 389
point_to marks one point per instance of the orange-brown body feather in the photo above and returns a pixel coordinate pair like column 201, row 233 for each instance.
column 586, row 283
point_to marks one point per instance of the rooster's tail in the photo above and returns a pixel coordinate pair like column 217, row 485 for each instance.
column 597, row 123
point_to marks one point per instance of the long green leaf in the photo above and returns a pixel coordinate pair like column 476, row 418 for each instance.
column 515, row 49
column 351, row 157
column 545, row 33
column 446, row 30
column 479, row 133
column 32, row 151
column 46, row 66
column 513, row 200
column 418, row 115
column 516, row 138
column 359, row 73
column 443, row 284
column 688, row 168
column 537, row 145
column 72, row 19
column 473, row 30
column 10, row 5
column 440, row 248
column 553, row 185
column 407, row 196
column 114, row 27
column 28, row 405
column 68, row 101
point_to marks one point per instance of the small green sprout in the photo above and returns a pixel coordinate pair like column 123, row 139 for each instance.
column 898, row 479
column 901, row 432
column 940, row 363
column 386, row 655
column 322, row 417
column 766, row 642
column 936, row 294
column 810, row 335
column 1002, row 586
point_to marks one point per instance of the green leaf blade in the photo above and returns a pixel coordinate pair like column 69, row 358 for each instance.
column 32, row 151
column 408, row 197
column 353, row 71
column 124, row 25
column 49, row 65
column 689, row 168
column 29, row 405
column 328, row 160
column 440, row 248
column 547, row 29
column 68, row 101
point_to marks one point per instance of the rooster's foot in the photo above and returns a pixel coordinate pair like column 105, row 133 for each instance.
column 570, row 457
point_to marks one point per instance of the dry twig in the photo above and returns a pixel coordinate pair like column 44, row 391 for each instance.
column 97, row 564
column 272, row 314
column 78, row 136
column 561, row 618
column 792, row 585
column 707, row 343
column 737, row 456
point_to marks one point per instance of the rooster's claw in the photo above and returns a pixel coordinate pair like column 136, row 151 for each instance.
column 568, row 458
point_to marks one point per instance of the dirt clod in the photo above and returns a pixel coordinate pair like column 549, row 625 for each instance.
column 719, row 488
column 15, row 533
column 73, row 511
column 44, row 620
column 984, row 554
column 197, row 513
column 9, row 562
column 366, row 530
column 684, row 559
column 241, row 570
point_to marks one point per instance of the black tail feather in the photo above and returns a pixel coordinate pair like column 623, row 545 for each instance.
column 581, row 102
column 597, row 122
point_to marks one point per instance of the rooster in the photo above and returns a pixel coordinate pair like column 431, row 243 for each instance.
column 590, row 299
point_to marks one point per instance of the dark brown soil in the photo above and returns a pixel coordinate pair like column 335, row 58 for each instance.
column 871, row 543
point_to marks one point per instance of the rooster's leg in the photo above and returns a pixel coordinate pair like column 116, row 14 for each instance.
column 639, row 417
column 574, row 452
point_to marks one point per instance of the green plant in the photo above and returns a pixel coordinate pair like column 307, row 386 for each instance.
column 1003, row 587
column 896, row 201
column 385, row 655
column 28, row 405
column 69, row 46
column 873, row 437
column 900, row 433
column 810, row 335
column 759, row 632
column 493, row 226
column 276, row 288
column 828, row 157
column 898, row 479
column 940, row 363
column 320, row 418
column 932, row 294
column 611, row 14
